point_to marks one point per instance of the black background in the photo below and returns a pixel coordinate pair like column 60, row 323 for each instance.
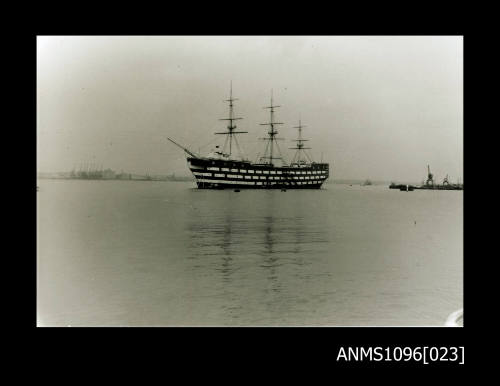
column 210, row 351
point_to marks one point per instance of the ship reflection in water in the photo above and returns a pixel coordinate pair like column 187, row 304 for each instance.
column 258, row 259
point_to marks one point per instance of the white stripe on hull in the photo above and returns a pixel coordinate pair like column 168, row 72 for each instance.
column 270, row 178
column 233, row 182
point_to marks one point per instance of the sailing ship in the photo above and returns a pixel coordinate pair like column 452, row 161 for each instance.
column 225, row 170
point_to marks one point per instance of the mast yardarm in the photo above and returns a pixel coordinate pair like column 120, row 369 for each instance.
column 231, row 127
column 300, row 147
column 271, row 133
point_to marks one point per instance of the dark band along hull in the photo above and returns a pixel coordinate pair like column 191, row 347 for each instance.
column 222, row 174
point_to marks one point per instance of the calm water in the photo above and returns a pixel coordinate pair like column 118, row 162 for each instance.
column 128, row 253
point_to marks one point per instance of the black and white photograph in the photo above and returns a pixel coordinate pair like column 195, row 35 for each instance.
column 249, row 181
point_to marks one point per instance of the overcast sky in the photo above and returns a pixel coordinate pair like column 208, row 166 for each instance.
column 375, row 107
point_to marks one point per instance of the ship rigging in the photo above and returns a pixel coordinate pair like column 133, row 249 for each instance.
column 221, row 169
column 301, row 150
column 271, row 139
column 231, row 127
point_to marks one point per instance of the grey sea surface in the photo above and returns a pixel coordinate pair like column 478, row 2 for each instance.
column 130, row 253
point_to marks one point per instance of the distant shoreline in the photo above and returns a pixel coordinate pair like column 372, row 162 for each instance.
column 55, row 176
column 175, row 179
column 191, row 179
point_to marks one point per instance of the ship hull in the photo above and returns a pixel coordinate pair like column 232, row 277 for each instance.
column 230, row 174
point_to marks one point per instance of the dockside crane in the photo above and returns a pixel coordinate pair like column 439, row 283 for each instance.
column 430, row 177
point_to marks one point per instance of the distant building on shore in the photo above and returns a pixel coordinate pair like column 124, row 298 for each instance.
column 108, row 174
column 123, row 176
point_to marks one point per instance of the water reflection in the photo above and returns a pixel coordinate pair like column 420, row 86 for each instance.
column 230, row 240
column 270, row 258
column 211, row 238
column 227, row 266
column 255, row 256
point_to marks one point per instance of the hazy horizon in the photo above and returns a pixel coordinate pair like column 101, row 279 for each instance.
column 374, row 107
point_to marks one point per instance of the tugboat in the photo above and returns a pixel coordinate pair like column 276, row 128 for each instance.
column 223, row 170
column 402, row 187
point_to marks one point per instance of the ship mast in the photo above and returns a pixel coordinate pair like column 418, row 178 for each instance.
column 300, row 145
column 272, row 133
column 231, row 127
